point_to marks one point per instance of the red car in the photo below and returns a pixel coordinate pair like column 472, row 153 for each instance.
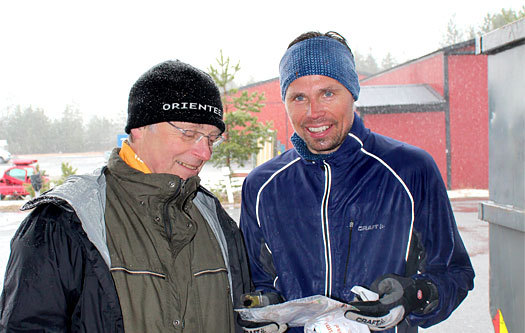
column 14, row 178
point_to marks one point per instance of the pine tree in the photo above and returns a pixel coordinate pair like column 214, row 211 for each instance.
column 244, row 133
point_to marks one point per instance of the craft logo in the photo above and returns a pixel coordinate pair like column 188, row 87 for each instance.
column 371, row 227
column 191, row 106
column 368, row 321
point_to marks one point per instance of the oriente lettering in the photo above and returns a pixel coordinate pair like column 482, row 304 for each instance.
column 191, row 106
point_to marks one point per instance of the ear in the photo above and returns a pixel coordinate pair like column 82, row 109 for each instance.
column 138, row 132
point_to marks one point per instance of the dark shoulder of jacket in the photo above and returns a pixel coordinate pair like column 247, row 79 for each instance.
column 48, row 217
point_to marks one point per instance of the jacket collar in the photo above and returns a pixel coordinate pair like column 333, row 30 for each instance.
column 142, row 185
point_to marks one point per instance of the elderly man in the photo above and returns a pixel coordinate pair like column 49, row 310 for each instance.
column 348, row 207
column 139, row 246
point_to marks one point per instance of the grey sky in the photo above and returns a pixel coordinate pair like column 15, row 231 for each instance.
column 89, row 53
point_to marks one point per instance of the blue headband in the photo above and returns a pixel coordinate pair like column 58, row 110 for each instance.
column 319, row 56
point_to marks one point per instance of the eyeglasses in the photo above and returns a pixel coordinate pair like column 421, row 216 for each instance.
column 196, row 136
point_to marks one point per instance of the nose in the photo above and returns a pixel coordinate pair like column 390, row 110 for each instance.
column 315, row 109
column 202, row 149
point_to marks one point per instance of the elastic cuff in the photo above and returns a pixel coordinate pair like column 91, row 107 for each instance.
column 429, row 296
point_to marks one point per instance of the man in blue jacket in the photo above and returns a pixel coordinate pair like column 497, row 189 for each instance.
column 348, row 207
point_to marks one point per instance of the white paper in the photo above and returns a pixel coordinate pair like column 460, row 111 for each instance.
column 317, row 313
column 334, row 322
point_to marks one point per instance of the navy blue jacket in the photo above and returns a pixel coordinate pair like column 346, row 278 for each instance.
column 376, row 204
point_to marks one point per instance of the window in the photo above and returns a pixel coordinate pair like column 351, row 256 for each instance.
column 19, row 173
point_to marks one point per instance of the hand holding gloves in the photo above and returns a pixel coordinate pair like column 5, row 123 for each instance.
column 398, row 296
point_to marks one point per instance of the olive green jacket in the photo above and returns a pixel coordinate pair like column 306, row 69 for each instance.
column 169, row 268
column 187, row 274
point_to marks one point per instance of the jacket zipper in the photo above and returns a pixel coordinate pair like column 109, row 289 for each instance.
column 348, row 253
column 326, row 231
column 166, row 214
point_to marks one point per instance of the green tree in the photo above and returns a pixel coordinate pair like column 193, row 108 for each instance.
column 26, row 130
column 69, row 131
column 453, row 35
column 471, row 33
column 365, row 64
column 244, row 133
column 29, row 130
column 371, row 63
column 67, row 170
column 388, row 61
column 505, row 16
column 100, row 134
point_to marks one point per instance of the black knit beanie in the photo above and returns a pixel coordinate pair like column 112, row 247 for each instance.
column 174, row 91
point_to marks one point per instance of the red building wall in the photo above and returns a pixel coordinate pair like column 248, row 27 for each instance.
column 425, row 130
column 427, row 70
column 466, row 81
column 274, row 110
column 469, row 133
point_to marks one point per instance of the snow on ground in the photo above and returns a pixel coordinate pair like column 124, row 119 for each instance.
column 468, row 193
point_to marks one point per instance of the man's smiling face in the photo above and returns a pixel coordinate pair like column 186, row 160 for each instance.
column 165, row 150
column 321, row 111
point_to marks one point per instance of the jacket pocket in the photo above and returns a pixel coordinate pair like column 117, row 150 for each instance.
column 147, row 299
column 138, row 272
column 212, row 300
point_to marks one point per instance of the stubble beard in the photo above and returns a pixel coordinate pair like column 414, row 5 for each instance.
column 326, row 145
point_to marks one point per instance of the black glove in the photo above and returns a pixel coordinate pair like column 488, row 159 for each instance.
column 253, row 327
column 398, row 296
column 257, row 300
